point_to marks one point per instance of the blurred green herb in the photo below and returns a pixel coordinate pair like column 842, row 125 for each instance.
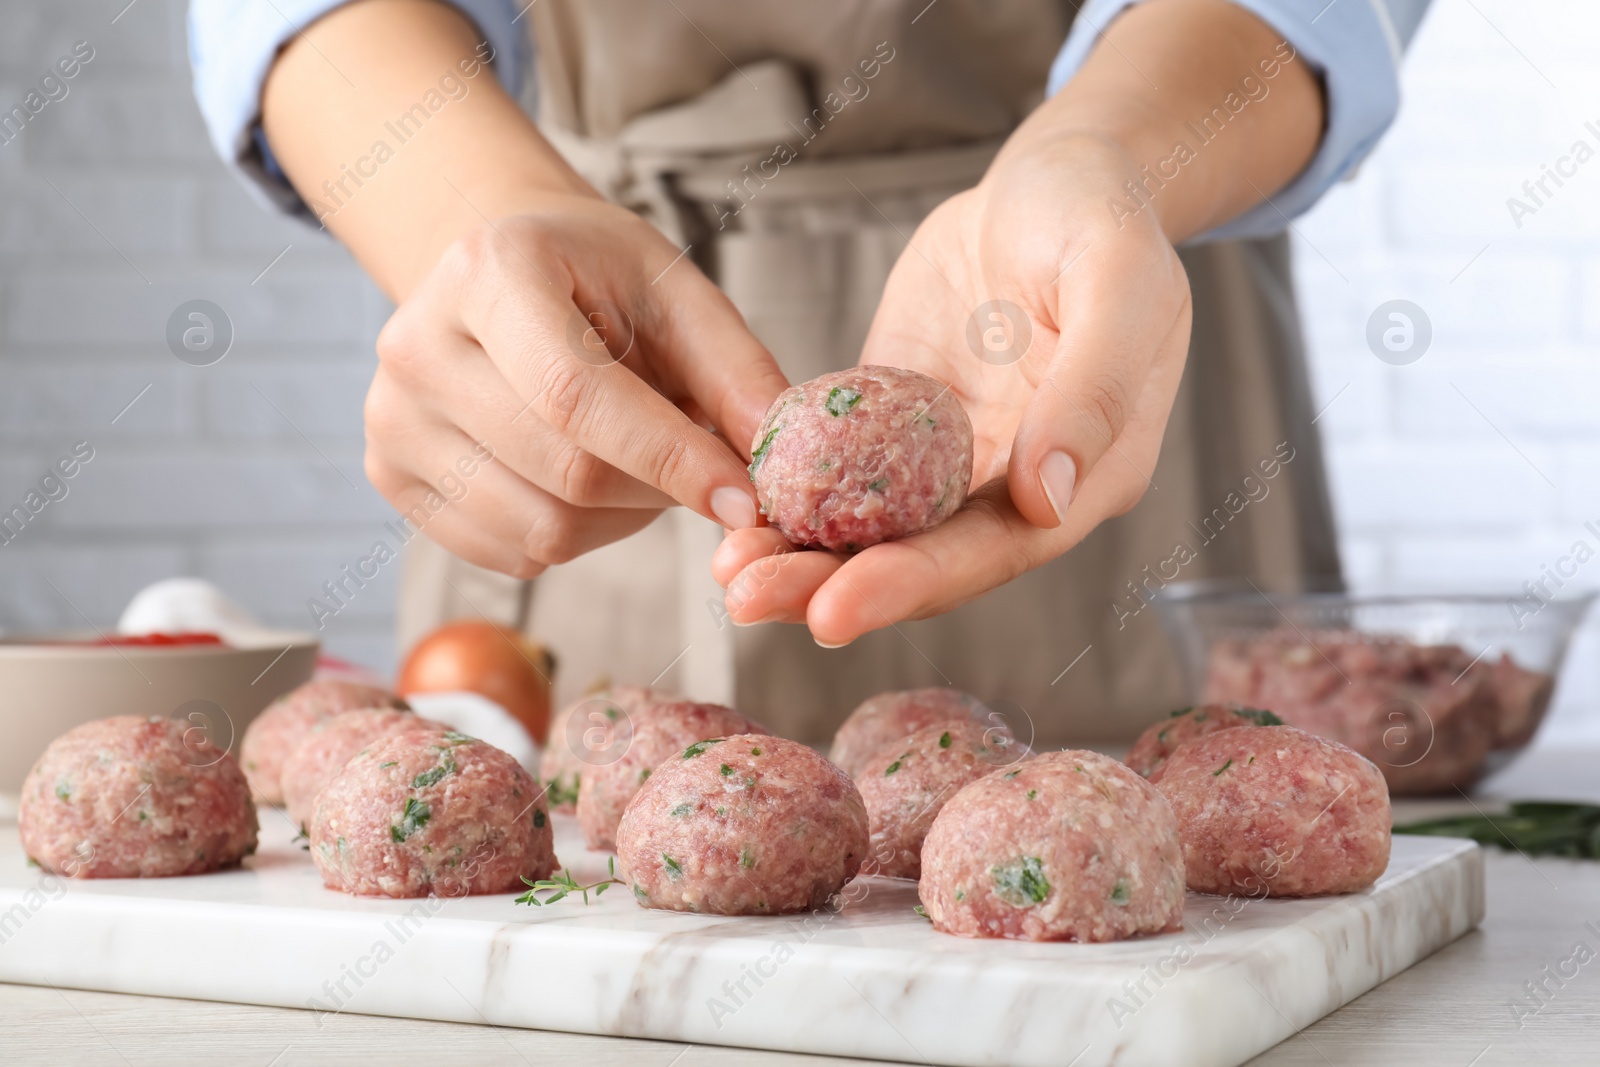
column 1536, row 827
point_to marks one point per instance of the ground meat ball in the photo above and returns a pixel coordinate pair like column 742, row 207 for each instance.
column 660, row 730
column 860, row 456
column 136, row 797
column 328, row 746
column 1066, row 846
column 906, row 784
column 273, row 734
column 431, row 813
column 1277, row 812
column 1161, row 739
column 1428, row 715
column 742, row 825
column 562, row 765
column 883, row 719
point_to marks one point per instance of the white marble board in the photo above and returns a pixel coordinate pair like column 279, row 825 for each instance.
column 873, row 980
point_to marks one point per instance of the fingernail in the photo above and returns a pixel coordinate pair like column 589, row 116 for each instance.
column 1058, row 473
column 733, row 508
column 824, row 644
column 777, row 616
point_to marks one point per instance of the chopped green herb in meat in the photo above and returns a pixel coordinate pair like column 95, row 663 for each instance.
column 841, row 398
column 761, row 450
column 1222, row 768
column 699, row 747
column 1021, row 882
column 431, row 777
column 1258, row 716
column 944, row 739
column 674, row 868
column 1120, row 892
column 681, row 810
column 413, row 817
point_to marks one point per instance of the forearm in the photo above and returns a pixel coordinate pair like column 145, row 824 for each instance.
column 398, row 190
column 1212, row 110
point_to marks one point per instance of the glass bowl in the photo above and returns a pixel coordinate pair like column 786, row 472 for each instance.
column 1437, row 690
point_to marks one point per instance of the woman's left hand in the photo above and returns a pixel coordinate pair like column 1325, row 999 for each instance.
column 1062, row 327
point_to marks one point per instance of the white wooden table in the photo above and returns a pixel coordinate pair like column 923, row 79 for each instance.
column 1451, row 1010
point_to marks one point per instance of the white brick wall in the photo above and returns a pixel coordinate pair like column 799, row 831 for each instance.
column 203, row 476
column 1429, row 494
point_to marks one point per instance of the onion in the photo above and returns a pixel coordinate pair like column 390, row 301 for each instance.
column 478, row 656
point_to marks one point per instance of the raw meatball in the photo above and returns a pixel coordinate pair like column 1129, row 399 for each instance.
column 659, row 731
column 860, row 456
column 273, row 734
column 886, row 718
column 1066, row 846
column 136, row 797
column 328, row 746
column 563, row 762
column 742, row 825
column 1149, row 754
column 431, row 813
column 906, row 784
column 1277, row 812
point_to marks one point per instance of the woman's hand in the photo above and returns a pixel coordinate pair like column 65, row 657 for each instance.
column 1068, row 425
column 568, row 338
column 1082, row 327
column 577, row 345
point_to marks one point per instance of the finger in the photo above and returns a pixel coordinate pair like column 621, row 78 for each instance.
column 708, row 347
column 1109, row 342
column 778, row 588
column 985, row 544
column 444, row 377
column 425, row 511
column 603, row 407
column 740, row 548
column 505, row 506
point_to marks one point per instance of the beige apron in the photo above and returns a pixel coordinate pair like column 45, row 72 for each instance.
column 676, row 110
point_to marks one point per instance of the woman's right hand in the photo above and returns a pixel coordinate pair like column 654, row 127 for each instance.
column 592, row 359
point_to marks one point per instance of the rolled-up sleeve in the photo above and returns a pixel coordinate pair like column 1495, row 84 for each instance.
column 1354, row 46
column 233, row 43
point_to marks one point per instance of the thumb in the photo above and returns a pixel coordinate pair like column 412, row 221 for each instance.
column 1106, row 358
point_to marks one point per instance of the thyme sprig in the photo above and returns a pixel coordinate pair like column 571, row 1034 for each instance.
column 563, row 885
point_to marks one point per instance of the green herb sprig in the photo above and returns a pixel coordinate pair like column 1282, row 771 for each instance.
column 1536, row 827
column 564, row 885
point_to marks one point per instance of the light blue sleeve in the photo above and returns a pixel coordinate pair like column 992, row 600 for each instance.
column 233, row 43
column 1354, row 46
